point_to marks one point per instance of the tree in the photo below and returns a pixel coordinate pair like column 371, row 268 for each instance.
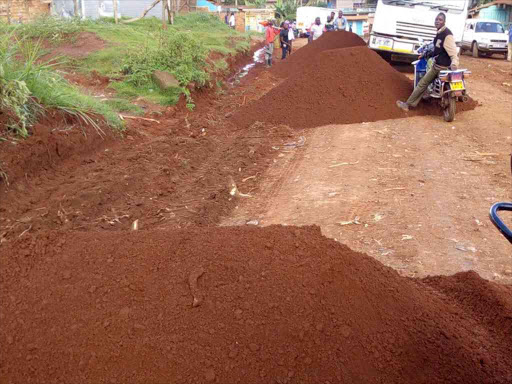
column 256, row 3
column 286, row 9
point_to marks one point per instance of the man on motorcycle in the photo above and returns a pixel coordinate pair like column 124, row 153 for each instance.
column 445, row 57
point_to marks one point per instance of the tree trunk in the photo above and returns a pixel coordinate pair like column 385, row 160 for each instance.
column 164, row 24
column 116, row 19
column 169, row 12
column 76, row 8
column 144, row 13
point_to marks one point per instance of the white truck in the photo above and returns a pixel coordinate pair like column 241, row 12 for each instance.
column 401, row 26
column 307, row 15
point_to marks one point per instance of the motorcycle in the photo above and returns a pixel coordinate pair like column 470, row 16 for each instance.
column 448, row 87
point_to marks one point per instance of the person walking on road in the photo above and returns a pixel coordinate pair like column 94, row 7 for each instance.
column 317, row 29
column 509, row 56
column 340, row 23
column 445, row 57
column 232, row 22
column 226, row 18
column 283, row 38
column 270, row 35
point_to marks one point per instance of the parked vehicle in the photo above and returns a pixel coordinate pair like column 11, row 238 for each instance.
column 485, row 37
column 447, row 88
column 401, row 27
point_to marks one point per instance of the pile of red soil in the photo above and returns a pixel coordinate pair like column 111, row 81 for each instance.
column 328, row 41
column 340, row 86
column 239, row 305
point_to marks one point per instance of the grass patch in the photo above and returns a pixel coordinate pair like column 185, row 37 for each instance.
column 137, row 49
column 29, row 87
column 123, row 105
column 49, row 28
column 133, row 52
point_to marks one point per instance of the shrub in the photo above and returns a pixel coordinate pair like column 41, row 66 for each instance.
column 51, row 28
column 179, row 54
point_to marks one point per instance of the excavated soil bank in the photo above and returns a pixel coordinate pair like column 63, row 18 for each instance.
column 340, row 86
column 239, row 305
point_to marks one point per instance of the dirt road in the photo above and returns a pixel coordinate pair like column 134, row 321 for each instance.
column 414, row 193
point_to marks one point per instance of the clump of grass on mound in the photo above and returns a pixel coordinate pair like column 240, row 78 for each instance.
column 179, row 54
column 28, row 87
column 50, row 28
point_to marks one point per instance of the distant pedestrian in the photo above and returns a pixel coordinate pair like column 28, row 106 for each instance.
column 283, row 38
column 226, row 18
column 340, row 23
column 232, row 22
column 329, row 26
column 509, row 58
column 270, row 35
column 291, row 37
column 317, row 29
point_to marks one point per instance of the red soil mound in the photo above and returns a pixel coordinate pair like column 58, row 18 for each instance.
column 328, row 41
column 247, row 305
column 76, row 47
column 341, row 86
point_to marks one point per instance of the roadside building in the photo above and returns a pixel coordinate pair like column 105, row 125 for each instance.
column 95, row 9
column 499, row 10
column 22, row 11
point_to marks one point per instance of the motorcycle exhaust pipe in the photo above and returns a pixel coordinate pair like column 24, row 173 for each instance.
column 465, row 99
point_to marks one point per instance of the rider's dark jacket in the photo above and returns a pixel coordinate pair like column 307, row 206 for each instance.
column 445, row 49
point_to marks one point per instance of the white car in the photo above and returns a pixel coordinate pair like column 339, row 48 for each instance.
column 484, row 37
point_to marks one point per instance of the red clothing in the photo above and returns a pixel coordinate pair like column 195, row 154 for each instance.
column 270, row 34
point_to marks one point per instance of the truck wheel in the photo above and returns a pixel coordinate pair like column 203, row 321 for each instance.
column 449, row 109
column 476, row 52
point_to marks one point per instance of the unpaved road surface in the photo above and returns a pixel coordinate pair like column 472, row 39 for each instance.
column 414, row 193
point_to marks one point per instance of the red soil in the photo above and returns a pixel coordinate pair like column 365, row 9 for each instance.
column 77, row 47
column 246, row 305
column 340, row 86
column 173, row 173
column 328, row 41
column 195, row 305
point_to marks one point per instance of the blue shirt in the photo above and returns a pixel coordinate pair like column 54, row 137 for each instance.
column 510, row 34
column 340, row 24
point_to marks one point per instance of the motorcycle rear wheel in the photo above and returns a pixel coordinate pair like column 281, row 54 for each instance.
column 449, row 109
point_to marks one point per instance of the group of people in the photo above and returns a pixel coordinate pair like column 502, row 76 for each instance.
column 286, row 33
column 334, row 23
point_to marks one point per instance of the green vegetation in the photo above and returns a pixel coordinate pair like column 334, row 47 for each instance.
column 29, row 86
column 134, row 51
column 50, row 28
column 137, row 49
column 286, row 9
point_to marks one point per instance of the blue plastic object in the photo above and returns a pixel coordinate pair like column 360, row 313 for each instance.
column 496, row 220
column 420, row 69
